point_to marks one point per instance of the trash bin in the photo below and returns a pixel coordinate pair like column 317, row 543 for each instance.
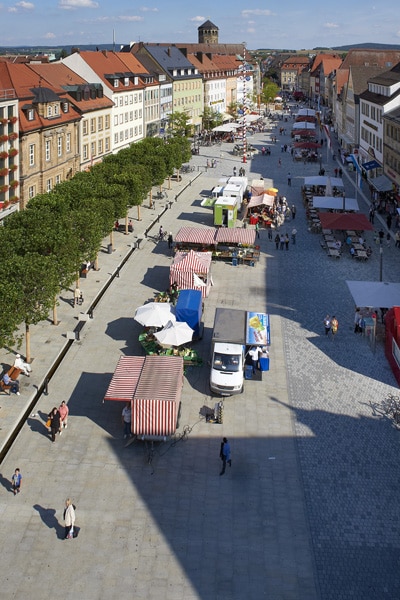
column 264, row 363
column 109, row 248
column 248, row 372
column 234, row 262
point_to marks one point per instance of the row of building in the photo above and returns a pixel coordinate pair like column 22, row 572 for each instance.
column 360, row 98
column 57, row 118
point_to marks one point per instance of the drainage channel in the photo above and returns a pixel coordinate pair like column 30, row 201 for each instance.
column 43, row 387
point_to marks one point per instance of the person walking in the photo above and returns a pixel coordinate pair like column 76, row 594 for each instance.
column 287, row 241
column 277, row 240
column 254, row 355
column 69, row 519
column 225, row 454
column 294, row 233
column 389, row 221
column 397, row 238
column 371, row 214
column 257, row 228
column 64, row 412
column 16, row 481
column 127, row 419
column 293, row 211
column 289, row 179
column 327, row 324
column 281, row 241
column 170, row 240
column 54, row 418
column 77, row 295
column 334, row 326
column 161, row 233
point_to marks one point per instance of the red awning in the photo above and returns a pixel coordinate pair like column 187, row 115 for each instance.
column 188, row 264
column 124, row 381
column 236, row 235
column 343, row 221
column 195, row 235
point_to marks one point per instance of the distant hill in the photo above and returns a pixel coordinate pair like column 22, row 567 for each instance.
column 53, row 49
column 367, row 45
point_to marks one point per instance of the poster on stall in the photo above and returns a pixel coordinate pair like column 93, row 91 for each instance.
column 258, row 329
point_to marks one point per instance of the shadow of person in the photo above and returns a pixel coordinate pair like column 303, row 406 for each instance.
column 6, row 483
column 38, row 424
column 48, row 516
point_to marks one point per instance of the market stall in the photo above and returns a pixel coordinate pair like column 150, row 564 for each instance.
column 195, row 238
column 335, row 203
column 238, row 245
column 345, row 221
column 192, row 270
column 153, row 386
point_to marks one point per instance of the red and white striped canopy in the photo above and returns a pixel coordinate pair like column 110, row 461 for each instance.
column 125, row 379
column 196, row 235
column 195, row 262
column 236, row 235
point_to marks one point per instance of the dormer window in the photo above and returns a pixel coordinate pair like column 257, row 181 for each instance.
column 49, row 110
column 116, row 83
column 56, row 109
column 126, row 81
column 30, row 115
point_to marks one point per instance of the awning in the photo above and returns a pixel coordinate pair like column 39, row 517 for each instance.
column 335, row 203
column 344, row 221
column 201, row 236
column 303, row 125
column 324, row 180
column 260, row 200
column 226, row 127
column 347, row 139
column 381, row 183
column 371, row 164
column 309, row 112
column 235, row 235
column 374, row 294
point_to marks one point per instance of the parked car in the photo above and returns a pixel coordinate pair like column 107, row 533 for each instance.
column 176, row 177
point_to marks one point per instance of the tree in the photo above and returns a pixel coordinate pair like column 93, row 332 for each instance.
column 179, row 124
column 269, row 92
column 232, row 110
column 211, row 118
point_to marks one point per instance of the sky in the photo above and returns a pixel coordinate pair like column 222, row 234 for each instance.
column 293, row 24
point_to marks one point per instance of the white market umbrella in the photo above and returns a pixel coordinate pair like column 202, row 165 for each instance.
column 155, row 314
column 174, row 334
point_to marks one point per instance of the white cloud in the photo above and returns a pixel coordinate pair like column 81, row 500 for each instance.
column 49, row 36
column 129, row 18
column 148, row 9
column 21, row 6
column 257, row 12
column 251, row 30
column 197, row 19
column 331, row 25
column 72, row 4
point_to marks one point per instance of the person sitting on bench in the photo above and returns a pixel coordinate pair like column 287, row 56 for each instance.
column 12, row 384
column 25, row 367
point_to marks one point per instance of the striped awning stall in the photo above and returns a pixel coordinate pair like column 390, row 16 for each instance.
column 201, row 236
column 236, row 235
column 188, row 264
column 158, row 394
column 125, row 379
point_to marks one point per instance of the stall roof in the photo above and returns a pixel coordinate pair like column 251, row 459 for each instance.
column 195, row 262
column 262, row 199
column 235, row 235
column 381, row 183
column 324, row 180
column 124, row 381
column 335, row 203
column 303, row 125
column 374, row 294
column 196, row 235
column 227, row 127
column 308, row 112
column 343, row 221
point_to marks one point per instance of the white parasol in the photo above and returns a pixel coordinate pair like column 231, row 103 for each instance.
column 174, row 334
column 155, row 314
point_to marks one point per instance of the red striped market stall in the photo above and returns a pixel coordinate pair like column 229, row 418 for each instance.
column 196, row 238
column 191, row 271
column 153, row 385
column 236, row 236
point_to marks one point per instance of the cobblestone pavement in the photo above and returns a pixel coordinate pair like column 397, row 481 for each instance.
column 309, row 509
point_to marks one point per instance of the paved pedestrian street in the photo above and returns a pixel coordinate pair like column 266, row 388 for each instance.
column 309, row 509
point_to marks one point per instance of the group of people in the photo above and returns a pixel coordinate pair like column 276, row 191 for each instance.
column 331, row 325
column 282, row 240
column 13, row 384
column 57, row 420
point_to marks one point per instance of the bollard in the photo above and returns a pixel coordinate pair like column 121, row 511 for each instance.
column 46, row 387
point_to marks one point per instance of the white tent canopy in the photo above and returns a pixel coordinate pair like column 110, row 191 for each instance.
column 227, row 127
column 374, row 294
column 303, row 125
column 335, row 203
column 324, row 180
column 306, row 112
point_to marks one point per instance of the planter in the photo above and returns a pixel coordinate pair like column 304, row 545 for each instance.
column 4, row 121
column 13, row 167
column 14, row 184
column 3, row 138
column 13, row 119
column 3, row 172
column 13, row 152
column 14, row 199
column 13, row 136
column 3, row 189
column 3, row 155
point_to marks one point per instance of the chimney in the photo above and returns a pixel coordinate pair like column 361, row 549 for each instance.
column 199, row 56
column 105, row 53
column 169, row 50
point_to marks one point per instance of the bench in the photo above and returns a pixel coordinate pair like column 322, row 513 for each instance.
column 13, row 374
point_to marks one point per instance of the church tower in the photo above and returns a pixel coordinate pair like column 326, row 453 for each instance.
column 208, row 33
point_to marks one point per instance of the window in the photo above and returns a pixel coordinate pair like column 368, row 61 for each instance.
column 116, row 83
column 126, row 117
column 31, row 155
column 58, row 179
column 59, row 146
column 121, row 136
column 115, row 120
column 126, row 134
column 100, row 147
column 126, row 83
column 131, row 115
column 107, row 144
column 126, row 99
column 130, row 98
column 85, row 151
column 100, row 123
column 30, row 114
column 92, row 149
column 48, row 185
column 85, row 127
column 68, row 143
column 115, row 138
column 92, row 125
column 49, row 111
column 121, row 101
column 31, row 191
column 47, row 149
column 107, row 121
column 56, row 109
column 121, row 119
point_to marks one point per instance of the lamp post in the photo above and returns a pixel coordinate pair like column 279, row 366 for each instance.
column 380, row 261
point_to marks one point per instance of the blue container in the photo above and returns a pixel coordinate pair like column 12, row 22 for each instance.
column 248, row 372
column 264, row 364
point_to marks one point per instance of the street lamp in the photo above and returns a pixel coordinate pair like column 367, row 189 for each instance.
column 244, row 104
column 380, row 261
